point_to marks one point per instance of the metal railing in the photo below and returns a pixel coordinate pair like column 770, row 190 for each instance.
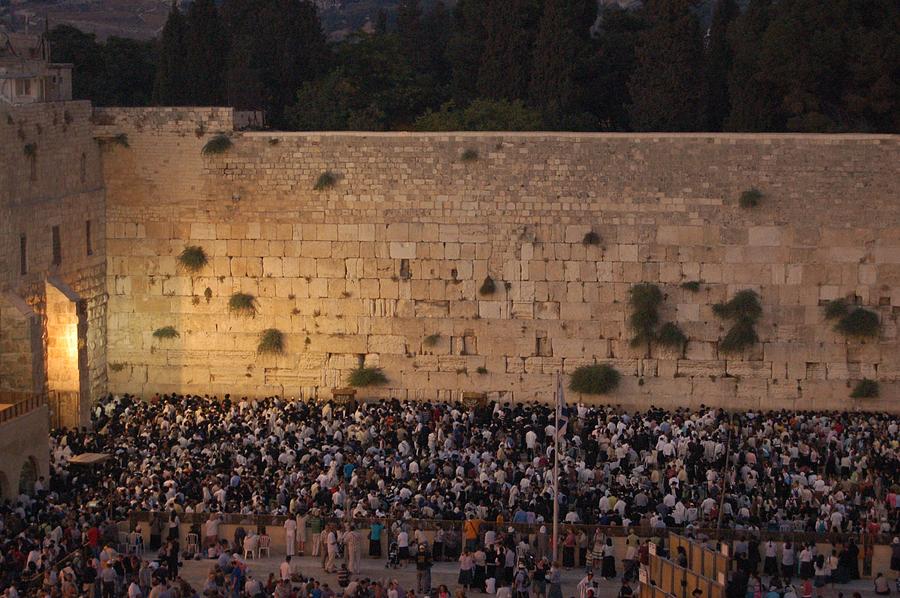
column 18, row 404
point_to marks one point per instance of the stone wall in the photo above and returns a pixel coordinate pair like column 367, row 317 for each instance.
column 51, row 176
column 23, row 440
column 385, row 267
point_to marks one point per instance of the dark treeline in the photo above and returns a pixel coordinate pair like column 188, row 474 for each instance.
column 776, row 65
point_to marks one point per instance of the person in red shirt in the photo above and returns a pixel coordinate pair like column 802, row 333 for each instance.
column 93, row 539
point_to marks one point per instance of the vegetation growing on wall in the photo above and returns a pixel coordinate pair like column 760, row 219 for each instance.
column 193, row 258
column 326, row 181
column 857, row 322
column 596, row 379
column 364, row 376
column 219, row 144
column 488, row 287
column 166, row 332
column 469, row 155
column 432, row 340
column 692, row 286
column 865, row 389
column 30, row 150
column 743, row 311
column 750, row 198
column 671, row 336
column 242, row 304
column 590, row 238
column 271, row 340
column 120, row 139
column 644, row 300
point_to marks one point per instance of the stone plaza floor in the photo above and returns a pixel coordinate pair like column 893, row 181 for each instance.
column 195, row 573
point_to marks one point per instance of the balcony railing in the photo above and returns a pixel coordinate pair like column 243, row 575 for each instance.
column 17, row 404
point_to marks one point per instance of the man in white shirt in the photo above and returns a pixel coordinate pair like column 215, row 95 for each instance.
column 285, row 569
column 331, row 546
column 212, row 530
column 290, row 534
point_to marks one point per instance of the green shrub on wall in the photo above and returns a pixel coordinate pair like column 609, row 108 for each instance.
column 432, row 339
column 242, row 304
column 865, row 389
column 644, row 300
column 750, row 198
column 743, row 310
column 219, row 144
column 271, row 340
column 165, row 332
column 590, row 238
column 364, row 376
column 193, row 259
column 859, row 323
column 670, row 335
column 326, row 181
column 469, row 155
column 597, row 379
column 692, row 286
column 487, row 287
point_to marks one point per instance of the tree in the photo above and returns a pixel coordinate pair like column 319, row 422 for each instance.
column 666, row 86
column 207, row 53
column 561, row 50
column 481, row 115
column 276, row 46
column 718, row 64
column 464, row 50
column 68, row 44
column 611, row 67
column 130, row 72
column 409, row 30
column 752, row 105
column 505, row 65
column 171, row 85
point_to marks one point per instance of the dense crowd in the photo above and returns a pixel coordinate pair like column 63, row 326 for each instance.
column 318, row 462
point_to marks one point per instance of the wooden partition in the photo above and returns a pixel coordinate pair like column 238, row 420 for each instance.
column 701, row 559
column 664, row 576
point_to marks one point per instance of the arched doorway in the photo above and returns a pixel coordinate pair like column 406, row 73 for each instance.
column 28, row 476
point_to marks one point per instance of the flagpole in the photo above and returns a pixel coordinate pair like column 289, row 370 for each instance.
column 556, row 470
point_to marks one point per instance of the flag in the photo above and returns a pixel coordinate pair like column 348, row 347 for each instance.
column 562, row 412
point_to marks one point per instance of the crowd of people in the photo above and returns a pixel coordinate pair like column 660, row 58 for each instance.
column 314, row 463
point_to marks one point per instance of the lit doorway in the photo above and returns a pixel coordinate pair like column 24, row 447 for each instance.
column 66, row 356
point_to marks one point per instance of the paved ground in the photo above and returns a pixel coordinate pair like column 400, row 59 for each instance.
column 195, row 573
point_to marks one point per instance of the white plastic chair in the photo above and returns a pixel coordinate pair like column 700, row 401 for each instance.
column 264, row 543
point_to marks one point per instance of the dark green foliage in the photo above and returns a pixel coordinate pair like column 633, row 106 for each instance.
column 432, row 340
column 865, row 389
column 691, row 285
column 744, row 305
column 612, row 65
column 859, row 323
column 836, row 308
column 561, row 51
column 271, row 340
column 590, row 238
column 743, row 310
column 670, row 335
column 242, row 304
column 364, row 376
column 193, row 258
column 117, row 367
column 642, row 325
column 117, row 72
column 740, row 336
column 718, row 64
column 481, row 115
column 487, row 287
column 120, row 139
column 30, row 150
column 208, row 294
column 275, row 46
column 505, row 64
column 173, row 79
column 165, row 332
column 469, row 155
column 594, row 379
column 644, row 300
column 206, row 43
column 481, row 370
column 217, row 145
column 667, row 83
column 326, row 181
column 750, row 198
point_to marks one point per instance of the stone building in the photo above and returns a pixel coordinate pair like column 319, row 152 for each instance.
column 27, row 75
column 367, row 248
